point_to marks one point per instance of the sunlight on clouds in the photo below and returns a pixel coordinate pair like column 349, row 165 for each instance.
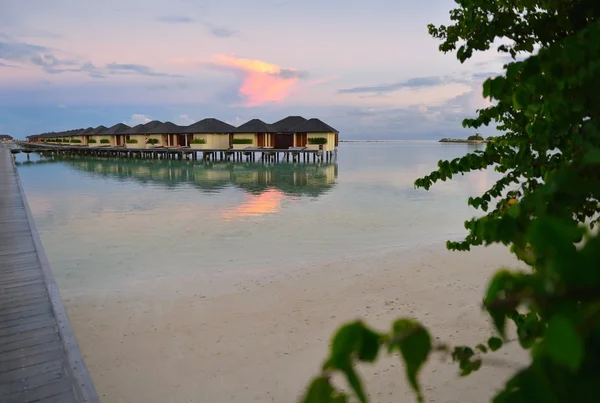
column 262, row 82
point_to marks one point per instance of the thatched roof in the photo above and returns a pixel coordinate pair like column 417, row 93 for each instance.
column 290, row 124
column 287, row 124
column 100, row 130
column 87, row 131
column 5, row 137
column 255, row 126
column 314, row 125
column 209, row 125
column 119, row 128
column 164, row 128
column 143, row 128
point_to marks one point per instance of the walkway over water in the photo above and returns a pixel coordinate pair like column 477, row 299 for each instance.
column 40, row 360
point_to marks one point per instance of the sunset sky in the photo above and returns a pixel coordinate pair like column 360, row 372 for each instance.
column 367, row 67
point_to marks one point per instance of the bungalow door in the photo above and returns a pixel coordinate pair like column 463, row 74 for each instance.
column 260, row 139
column 119, row 140
column 301, row 139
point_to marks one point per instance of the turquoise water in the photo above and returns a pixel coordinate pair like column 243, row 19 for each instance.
column 104, row 222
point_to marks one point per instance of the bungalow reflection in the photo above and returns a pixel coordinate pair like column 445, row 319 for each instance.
column 311, row 180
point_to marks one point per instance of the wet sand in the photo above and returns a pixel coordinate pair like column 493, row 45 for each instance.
column 261, row 336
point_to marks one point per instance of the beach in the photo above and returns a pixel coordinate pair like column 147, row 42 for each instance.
column 260, row 335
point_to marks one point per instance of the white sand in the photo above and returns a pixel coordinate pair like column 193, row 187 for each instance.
column 188, row 340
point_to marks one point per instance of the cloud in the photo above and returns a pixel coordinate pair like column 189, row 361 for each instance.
column 50, row 61
column 184, row 120
column 138, row 118
column 221, row 32
column 117, row 68
column 216, row 31
column 40, row 56
column 486, row 75
column 287, row 73
column 10, row 66
column 413, row 83
column 175, row 19
column 262, row 82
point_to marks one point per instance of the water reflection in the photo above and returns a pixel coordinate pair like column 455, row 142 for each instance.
column 268, row 184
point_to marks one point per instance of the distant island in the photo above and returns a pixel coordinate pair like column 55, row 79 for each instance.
column 475, row 139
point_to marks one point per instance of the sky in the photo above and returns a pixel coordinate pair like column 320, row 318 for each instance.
column 367, row 67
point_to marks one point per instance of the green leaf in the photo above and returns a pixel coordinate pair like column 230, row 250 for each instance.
column 520, row 98
column 562, row 343
column 494, row 343
column 353, row 339
column 481, row 348
column 414, row 343
column 369, row 347
column 592, row 157
column 487, row 89
column 321, row 391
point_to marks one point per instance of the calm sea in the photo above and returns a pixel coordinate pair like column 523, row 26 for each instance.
column 108, row 221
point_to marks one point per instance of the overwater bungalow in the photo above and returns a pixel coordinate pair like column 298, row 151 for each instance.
column 316, row 134
column 209, row 134
column 5, row 138
column 162, row 135
column 254, row 133
column 112, row 136
column 81, row 134
column 135, row 136
column 286, row 136
column 293, row 137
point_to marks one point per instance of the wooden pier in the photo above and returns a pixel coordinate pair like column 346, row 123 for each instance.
column 267, row 155
column 40, row 359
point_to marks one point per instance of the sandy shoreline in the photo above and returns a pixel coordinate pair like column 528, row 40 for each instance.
column 176, row 340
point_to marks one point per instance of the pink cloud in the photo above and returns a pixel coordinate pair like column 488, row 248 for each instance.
column 262, row 82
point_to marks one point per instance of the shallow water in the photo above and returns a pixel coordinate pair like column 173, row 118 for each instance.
column 107, row 222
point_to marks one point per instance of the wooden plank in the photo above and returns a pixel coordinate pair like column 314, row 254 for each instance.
column 33, row 370
column 41, row 337
column 64, row 398
column 34, row 333
column 39, row 356
column 32, row 310
column 33, row 350
column 23, row 320
column 19, row 291
column 29, row 301
column 31, row 382
column 48, row 390
column 23, row 308
column 48, row 320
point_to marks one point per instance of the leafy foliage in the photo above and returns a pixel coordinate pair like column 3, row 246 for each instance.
column 104, row 141
column 131, row 141
column 76, row 141
column 203, row 141
column 152, row 141
column 92, row 141
column 546, row 105
column 475, row 137
column 357, row 342
column 317, row 140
